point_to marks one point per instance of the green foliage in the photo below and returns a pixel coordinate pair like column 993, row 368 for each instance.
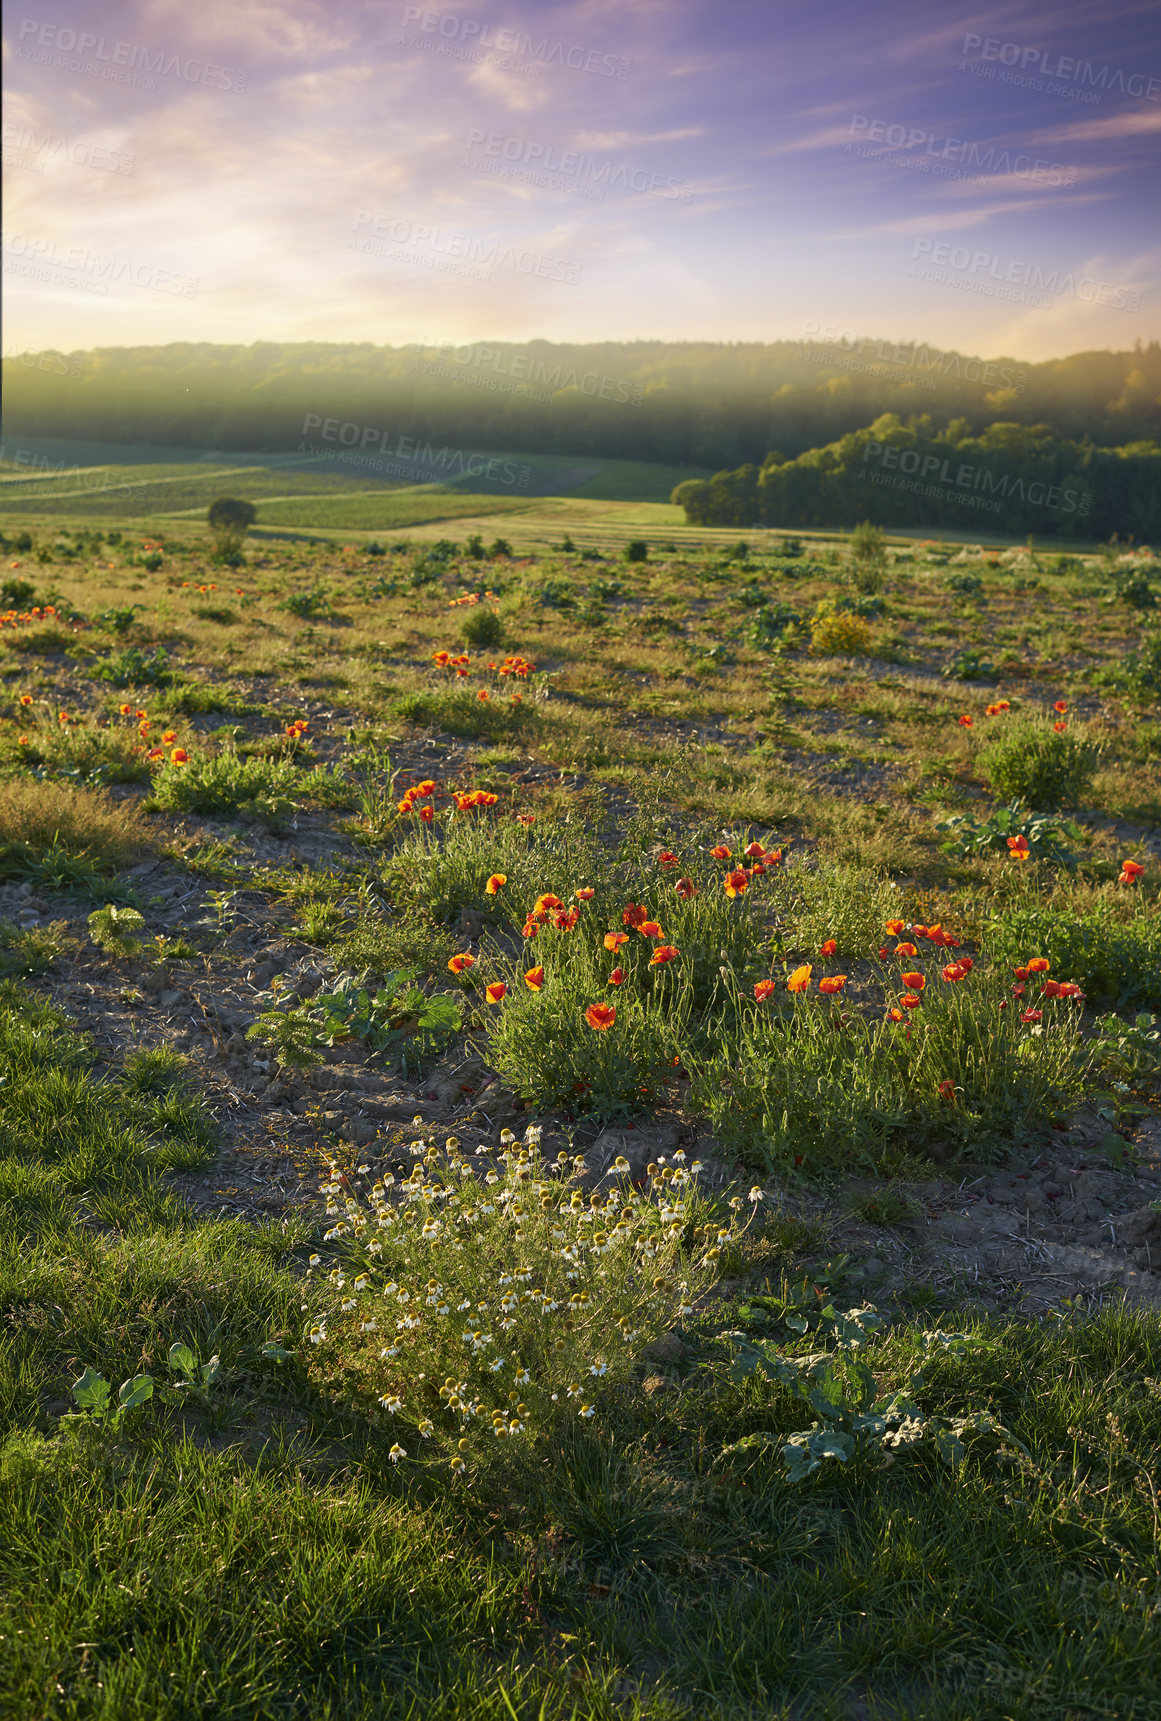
column 134, row 667
column 210, row 783
column 30, row 950
column 1131, row 1052
column 197, row 1378
column 120, row 620
column 964, row 586
column 483, row 628
column 776, row 625
column 456, row 710
column 397, row 1017
column 314, row 605
column 1044, row 833
column 1030, row 761
column 95, row 1404
column 968, row 664
column 636, row 550
column 1115, row 961
column 118, row 931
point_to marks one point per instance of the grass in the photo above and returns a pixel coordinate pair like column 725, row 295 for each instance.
column 243, row 1542
column 253, row 1549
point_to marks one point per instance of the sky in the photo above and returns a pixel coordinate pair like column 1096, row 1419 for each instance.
column 983, row 178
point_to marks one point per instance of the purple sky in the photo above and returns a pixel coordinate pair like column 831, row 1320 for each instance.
column 983, row 178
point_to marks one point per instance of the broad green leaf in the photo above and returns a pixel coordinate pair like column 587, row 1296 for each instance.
column 136, row 1391
column 181, row 1359
column 91, row 1392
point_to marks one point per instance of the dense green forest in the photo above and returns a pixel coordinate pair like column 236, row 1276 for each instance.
column 1009, row 478
column 692, row 403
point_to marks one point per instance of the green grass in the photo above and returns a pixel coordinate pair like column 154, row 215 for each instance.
column 253, row 1553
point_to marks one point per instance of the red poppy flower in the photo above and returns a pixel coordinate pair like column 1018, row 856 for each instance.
column 1018, row 991
column 496, row 884
column 947, row 1090
column 720, row 852
column 169, row 737
column 905, row 950
column 1060, row 706
column 833, row 983
column 667, row 859
column 954, row 972
column 965, row 722
column 895, row 927
column 179, row 756
column 1060, row 727
column 894, row 1014
column 799, row 981
column 685, row 889
column 534, row 979
column 884, row 951
column 911, row 1000
column 764, row 989
column 495, row 991
column 125, row 710
column 459, row 963
column 600, row 1016
column 547, row 901
column 913, row 982
column 966, row 963
column 827, row 947
column 663, row 953
column 735, row 883
column 526, row 818
column 422, row 790
column 755, row 852
column 427, row 814
column 1038, row 965
column 650, row 929
column 614, row 940
column 633, row 914
column 1130, row 872
column 565, row 919
column 616, row 976
column 585, row 894
column 1069, row 989
column 1031, row 1015
column 1018, row 848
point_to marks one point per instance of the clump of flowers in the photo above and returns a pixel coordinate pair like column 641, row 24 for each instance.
column 488, row 1298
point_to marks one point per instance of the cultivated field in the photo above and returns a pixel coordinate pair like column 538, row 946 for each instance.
column 597, row 1084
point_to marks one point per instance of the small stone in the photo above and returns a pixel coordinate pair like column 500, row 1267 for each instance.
column 872, row 1266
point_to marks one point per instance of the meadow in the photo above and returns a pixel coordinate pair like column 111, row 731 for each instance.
column 578, row 1115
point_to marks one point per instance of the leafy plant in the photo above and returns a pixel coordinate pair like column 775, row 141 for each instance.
column 636, row 550
column 268, row 789
column 968, row 665
column 134, row 667
column 95, row 1403
column 196, row 1377
column 852, row 1417
column 118, row 931
column 1043, row 832
column 118, row 620
column 1129, row 1051
column 834, row 632
column 314, row 605
column 483, row 627
column 1115, row 961
column 775, row 624
column 964, row 585
column 1033, row 762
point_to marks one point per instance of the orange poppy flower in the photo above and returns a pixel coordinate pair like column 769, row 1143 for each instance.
column 422, row 790
column 545, row 902
column 427, row 814
column 526, row 818
column 62, row 716
column 919, row 932
column 142, row 728
column 600, row 1016
column 1060, row 727
column 685, row 889
column 735, row 883
column 894, row 1014
column 614, row 940
column 913, row 982
column 954, row 972
column 911, row 1000
column 22, row 740
column 965, row 722
column 26, row 700
column 894, row 927
column 1018, row 848
column 585, row 894
column 773, row 857
column 755, row 851
column 764, row 989
column 905, row 950
column 1031, row 1015
column 616, row 976
column 459, row 963
column 565, row 919
column 532, row 927
column 667, row 858
column 1060, row 706
column 833, row 983
column 650, row 929
column 663, row 953
column 179, row 756
column 496, row 884
column 1038, row 965
column 721, row 852
column 633, row 914
column 827, row 947
column 799, row 981
column 125, row 710
column 169, row 736
column 483, row 694
column 1130, row 872
column 141, row 714
column 495, row 991
column 404, row 806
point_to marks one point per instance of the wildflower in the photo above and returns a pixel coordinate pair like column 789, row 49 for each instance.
column 22, row 741
column 663, row 953
column 1060, row 727
column 179, row 756
column 634, row 914
column 495, row 991
column 764, row 989
column 1130, row 872
column 755, row 852
column 721, row 852
column 905, row 950
column 586, row 1410
column 396, row 1453
column 650, row 929
column 616, row 977
column 169, row 737
column 496, row 884
column 585, row 893
column 125, row 710
column 534, row 979
column 911, row 1000
column 685, row 889
column 799, row 981
column 894, row 1014
column 735, row 883
column 565, row 919
column 913, row 982
column 545, row 902
column 833, row 983
column 62, row 717
column 954, row 971
column 600, row 1016
column 1060, row 707
column 827, row 947
column 1031, row 1015
column 667, row 859
column 1038, row 965
column 894, row 927
column 614, row 940
column 947, row 1090
column 526, row 818
column 1018, row 848
column 459, row 963
column 965, row 722
column 457, row 1465
column 427, row 814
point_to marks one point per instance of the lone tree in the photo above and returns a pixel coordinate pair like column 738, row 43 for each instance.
column 230, row 514
column 230, row 518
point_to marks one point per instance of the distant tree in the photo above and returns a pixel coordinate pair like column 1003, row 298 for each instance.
column 230, row 514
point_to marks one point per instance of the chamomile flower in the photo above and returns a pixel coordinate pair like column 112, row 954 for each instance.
column 396, row 1453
